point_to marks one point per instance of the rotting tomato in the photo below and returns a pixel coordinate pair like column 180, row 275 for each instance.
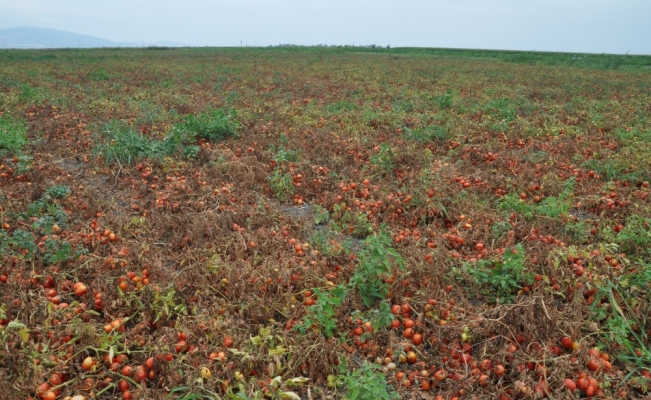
column 417, row 338
column 88, row 363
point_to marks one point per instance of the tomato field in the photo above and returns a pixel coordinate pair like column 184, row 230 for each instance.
column 324, row 223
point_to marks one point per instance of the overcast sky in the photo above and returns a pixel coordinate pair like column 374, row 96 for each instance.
column 598, row 26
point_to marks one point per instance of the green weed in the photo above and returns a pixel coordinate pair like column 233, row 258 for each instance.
column 379, row 318
column 29, row 94
column 57, row 251
column 614, row 169
column 635, row 237
column 367, row 383
column 370, row 117
column 499, row 229
column 121, row 143
column 167, row 306
column 577, row 230
column 630, row 136
column 281, row 184
column 321, row 215
column 47, row 218
column 346, row 222
column 214, row 126
column 340, row 107
column 99, row 75
column 324, row 241
column 427, row 133
column 13, row 135
column 323, row 313
column 512, row 202
column 383, row 159
column 623, row 306
column 23, row 163
column 57, row 192
column 502, row 109
column 553, row 207
column 446, row 100
column 403, row 105
column 498, row 279
column 20, row 244
column 376, row 262
column 284, row 155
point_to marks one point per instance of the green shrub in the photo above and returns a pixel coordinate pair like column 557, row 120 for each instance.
column 13, row 135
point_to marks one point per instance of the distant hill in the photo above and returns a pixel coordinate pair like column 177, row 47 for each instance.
column 42, row 38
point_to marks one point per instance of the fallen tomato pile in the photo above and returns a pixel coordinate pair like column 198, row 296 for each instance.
column 322, row 223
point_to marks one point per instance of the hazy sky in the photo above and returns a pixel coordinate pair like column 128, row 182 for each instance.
column 599, row 26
